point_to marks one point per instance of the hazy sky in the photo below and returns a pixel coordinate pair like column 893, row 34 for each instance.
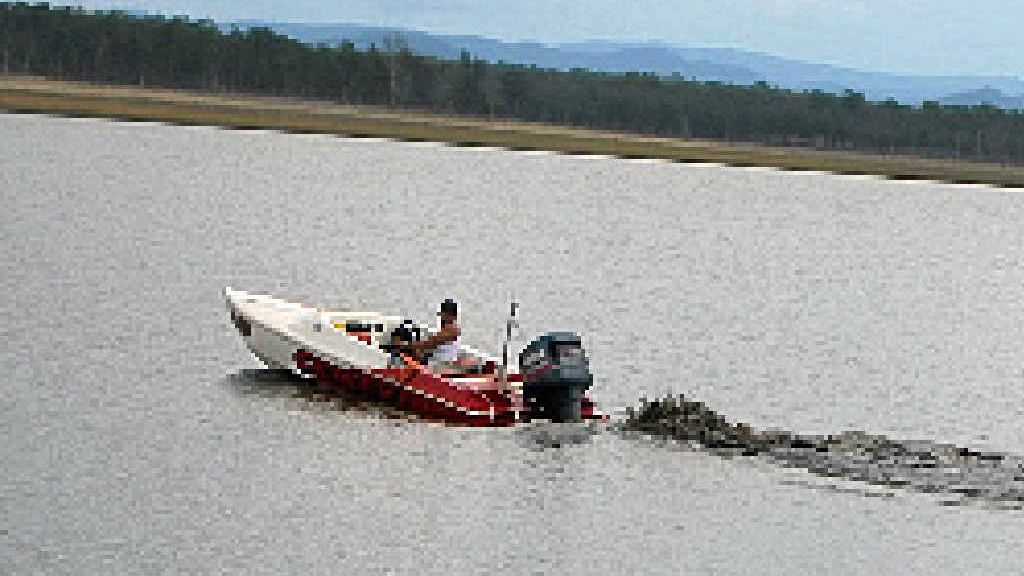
column 911, row 36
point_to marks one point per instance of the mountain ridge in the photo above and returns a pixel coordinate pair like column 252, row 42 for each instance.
column 726, row 65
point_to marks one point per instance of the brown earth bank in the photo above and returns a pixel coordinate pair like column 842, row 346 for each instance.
column 38, row 95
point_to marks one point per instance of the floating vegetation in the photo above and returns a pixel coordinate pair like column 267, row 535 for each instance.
column 918, row 465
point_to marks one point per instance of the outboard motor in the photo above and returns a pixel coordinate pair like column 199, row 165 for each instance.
column 556, row 373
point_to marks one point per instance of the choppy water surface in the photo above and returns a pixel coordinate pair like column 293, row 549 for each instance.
column 140, row 436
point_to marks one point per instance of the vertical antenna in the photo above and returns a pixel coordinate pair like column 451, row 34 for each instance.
column 509, row 324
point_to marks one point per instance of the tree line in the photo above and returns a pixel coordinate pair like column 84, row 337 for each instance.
column 115, row 47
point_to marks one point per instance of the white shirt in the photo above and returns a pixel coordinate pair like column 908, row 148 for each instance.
column 447, row 352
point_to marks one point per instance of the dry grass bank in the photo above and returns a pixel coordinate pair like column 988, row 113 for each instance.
column 25, row 94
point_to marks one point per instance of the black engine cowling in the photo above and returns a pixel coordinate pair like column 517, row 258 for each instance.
column 556, row 373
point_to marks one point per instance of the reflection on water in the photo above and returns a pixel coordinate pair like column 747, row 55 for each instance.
column 265, row 381
column 280, row 383
column 550, row 435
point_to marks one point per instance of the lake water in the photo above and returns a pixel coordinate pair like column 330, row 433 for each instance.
column 139, row 435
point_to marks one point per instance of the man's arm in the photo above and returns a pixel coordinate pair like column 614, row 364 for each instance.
column 449, row 333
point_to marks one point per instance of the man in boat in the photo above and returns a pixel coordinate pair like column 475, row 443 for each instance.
column 443, row 347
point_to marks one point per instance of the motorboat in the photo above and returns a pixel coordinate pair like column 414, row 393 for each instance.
column 352, row 353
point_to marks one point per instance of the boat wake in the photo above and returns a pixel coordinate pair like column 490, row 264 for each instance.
column 965, row 475
column 958, row 475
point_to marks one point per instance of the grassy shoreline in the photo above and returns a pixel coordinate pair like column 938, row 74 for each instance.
column 35, row 95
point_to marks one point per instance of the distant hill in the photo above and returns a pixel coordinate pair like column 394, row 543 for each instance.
column 986, row 95
column 727, row 65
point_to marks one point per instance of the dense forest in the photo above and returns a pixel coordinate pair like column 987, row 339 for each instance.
column 114, row 47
